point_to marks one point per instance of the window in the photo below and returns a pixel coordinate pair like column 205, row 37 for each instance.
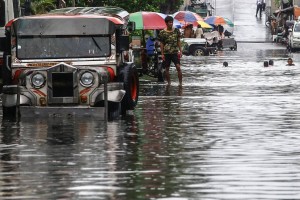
column 53, row 47
column 297, row 28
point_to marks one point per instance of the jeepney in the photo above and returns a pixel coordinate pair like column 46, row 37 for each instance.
column 62, row 65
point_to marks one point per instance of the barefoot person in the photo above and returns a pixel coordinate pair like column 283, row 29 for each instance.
column 171, row 48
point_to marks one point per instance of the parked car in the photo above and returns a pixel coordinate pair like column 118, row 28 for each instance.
column 294, row 36
column 197, row 47
column 61, row 65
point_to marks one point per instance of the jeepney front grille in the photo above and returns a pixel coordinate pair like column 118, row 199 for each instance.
column 62, row 84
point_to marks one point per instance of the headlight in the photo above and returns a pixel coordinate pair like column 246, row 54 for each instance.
column 87, row 79
column 38, row 80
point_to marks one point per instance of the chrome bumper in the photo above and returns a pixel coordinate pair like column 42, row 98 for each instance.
column 86, row 112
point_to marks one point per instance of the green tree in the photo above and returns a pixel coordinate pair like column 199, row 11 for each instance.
column 41, row 6
column 164, row 6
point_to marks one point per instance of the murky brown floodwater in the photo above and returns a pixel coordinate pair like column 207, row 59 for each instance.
column 228, row 133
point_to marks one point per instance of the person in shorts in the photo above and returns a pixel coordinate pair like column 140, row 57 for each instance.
column 171, row 48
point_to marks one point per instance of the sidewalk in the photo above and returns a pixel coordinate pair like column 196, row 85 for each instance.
column 247, row 27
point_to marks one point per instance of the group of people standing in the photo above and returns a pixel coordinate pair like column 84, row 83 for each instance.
column 199, row 33
column 190, row 33
column 260, row 6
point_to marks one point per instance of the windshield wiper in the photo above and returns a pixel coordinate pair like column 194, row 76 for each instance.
column 97, row 45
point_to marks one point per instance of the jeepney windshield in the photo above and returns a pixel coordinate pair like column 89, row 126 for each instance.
column 53, row 47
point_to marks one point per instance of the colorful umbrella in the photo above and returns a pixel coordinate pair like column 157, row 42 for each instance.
column 150, row 20
column 186, row 17
column 204, row 24
column 176, row 23
column 218, row 20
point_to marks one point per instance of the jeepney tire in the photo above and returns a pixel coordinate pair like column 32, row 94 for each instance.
column 293, row 50
column 9, row 113
column 161, row 72
column 114, row 110
column 130, row 78
column 234, row 48
column 198, row 51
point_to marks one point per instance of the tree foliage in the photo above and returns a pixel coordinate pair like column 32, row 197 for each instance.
column 41, row 6
column 164, row 6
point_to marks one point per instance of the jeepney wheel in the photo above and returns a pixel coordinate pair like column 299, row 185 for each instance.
column 130, row 78
column 234, row 48
column 161, row 72
column 199, row 52
column 293, row 50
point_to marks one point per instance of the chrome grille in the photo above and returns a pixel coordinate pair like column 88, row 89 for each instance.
column 62, row 84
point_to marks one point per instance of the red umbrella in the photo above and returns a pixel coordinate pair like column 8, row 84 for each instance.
column 150, row 20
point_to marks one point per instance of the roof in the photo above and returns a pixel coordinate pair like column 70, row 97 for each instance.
column 66, row 25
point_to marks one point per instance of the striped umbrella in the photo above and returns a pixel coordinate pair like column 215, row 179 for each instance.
column 218, row 20
column 187, row 17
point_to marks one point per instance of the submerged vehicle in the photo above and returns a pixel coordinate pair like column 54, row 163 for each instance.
column 197, row 47
column 62, row 65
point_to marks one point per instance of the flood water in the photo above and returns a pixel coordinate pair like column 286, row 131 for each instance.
column 227, row 133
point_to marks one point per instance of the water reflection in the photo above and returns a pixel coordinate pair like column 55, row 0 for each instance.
column 9, row 162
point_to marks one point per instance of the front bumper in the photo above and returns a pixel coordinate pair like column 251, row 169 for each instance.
column 64, row 112
column 27, row 98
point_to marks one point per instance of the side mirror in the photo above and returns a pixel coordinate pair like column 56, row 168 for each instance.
column 122, row 43
column 131, row 26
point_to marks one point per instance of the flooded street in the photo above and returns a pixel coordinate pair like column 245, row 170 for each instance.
column 227, row 133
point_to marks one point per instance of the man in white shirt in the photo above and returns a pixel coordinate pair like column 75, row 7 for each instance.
column 199, row 32
column 259, row 7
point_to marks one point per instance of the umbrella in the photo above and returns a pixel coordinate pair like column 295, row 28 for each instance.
column 176, row 23
column 186, row 17
column 195, row 24
column 218, row 20
column 150, row 20
column 204, row 24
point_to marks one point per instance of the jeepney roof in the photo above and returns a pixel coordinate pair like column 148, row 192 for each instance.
column 50, row 24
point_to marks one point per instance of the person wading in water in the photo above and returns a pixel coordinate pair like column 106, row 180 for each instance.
column 171, row 48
